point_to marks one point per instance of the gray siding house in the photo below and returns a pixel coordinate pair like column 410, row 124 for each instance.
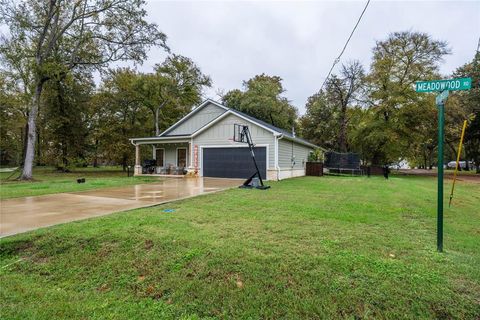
column 202, row 143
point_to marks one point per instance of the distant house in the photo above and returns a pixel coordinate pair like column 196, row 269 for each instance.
column 202, row 142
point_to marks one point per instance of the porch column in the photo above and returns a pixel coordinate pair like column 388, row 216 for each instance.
column 138, row 167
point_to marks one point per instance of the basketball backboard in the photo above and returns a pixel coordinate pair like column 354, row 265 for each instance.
column 238, row 133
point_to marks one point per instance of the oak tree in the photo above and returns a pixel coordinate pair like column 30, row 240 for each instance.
column 58, row 36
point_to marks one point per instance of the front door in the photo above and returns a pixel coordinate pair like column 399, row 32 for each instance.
column 159, row 157
column 181, row 157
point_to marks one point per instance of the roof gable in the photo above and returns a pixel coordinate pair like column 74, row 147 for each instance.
column 196, row 119
column 210, row 111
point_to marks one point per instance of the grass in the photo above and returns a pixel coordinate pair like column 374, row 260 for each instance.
column 48, row 181
column 308, row 248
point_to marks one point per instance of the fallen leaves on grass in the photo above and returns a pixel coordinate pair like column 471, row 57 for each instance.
column 103, row 288
column 148, row 244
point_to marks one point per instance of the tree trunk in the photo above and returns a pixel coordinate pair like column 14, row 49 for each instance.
column 24, row 142
column 32, row 134
column 157, row 127
column 38, row 148
column 95, row 159
column 157, row 115
column 124, row 163
column 342, row 134
column 424, row 159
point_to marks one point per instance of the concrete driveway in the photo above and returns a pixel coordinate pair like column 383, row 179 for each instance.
column 29, row 213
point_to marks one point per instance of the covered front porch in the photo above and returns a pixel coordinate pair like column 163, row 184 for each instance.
column 166, row 156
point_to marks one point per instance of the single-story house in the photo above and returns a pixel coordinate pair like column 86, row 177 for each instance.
column 202, row 142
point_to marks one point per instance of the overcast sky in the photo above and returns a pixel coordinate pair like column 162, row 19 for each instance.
column 234, row 40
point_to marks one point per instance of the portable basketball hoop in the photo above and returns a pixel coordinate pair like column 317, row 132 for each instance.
column 241, row 133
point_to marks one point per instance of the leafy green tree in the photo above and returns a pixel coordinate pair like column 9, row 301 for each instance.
column 262, row 98
column 173, row 89
column 12, row 120
column 469, row 102
column 58, row 36
column 122, row 115
column 370, row 136
column 343, row 91
column 65, row 102
column 326, row 119
column 398, row 62
column 319, row 124
column 16, row 75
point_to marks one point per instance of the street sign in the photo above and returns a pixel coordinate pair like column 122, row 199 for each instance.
column 441, row 85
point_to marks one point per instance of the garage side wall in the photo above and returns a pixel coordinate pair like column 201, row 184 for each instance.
column 292, row 158
column 220, row 133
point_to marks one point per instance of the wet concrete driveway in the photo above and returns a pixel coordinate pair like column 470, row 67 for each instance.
column 29, row 213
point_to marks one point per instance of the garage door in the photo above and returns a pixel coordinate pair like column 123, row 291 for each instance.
column 233, row 162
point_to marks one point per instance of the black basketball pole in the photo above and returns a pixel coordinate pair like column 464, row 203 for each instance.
column 246, row 132
column 246, row 184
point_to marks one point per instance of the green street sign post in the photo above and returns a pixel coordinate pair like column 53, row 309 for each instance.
column 443, row 87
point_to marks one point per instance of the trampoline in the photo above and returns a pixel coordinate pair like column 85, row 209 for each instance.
column 343, row 163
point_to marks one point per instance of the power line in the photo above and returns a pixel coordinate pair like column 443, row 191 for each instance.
column 337, row 60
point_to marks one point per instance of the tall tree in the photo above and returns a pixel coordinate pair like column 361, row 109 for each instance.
column 343, row 90
column 469, row 102
column 326, row 119
column 398, row 62
column 173, row 89
column 319, row 124
column 16, row 73
column 262, row 98
column 12, row 121
column 123, row 115
column 65, row 102
column 62, row 35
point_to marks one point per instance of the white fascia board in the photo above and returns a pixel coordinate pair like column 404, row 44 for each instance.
column 213, row 102
column 146, row 140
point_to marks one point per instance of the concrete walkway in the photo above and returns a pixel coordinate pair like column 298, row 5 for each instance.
column 29, row 213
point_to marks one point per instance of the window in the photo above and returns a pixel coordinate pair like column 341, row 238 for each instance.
column 182, row 157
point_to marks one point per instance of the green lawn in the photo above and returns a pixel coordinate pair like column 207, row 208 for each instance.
column 48, row 181
column 308, row 248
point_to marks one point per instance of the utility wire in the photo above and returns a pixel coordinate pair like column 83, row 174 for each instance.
column 337, row 60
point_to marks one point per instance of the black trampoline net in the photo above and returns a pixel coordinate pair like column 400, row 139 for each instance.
column 338, row 160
